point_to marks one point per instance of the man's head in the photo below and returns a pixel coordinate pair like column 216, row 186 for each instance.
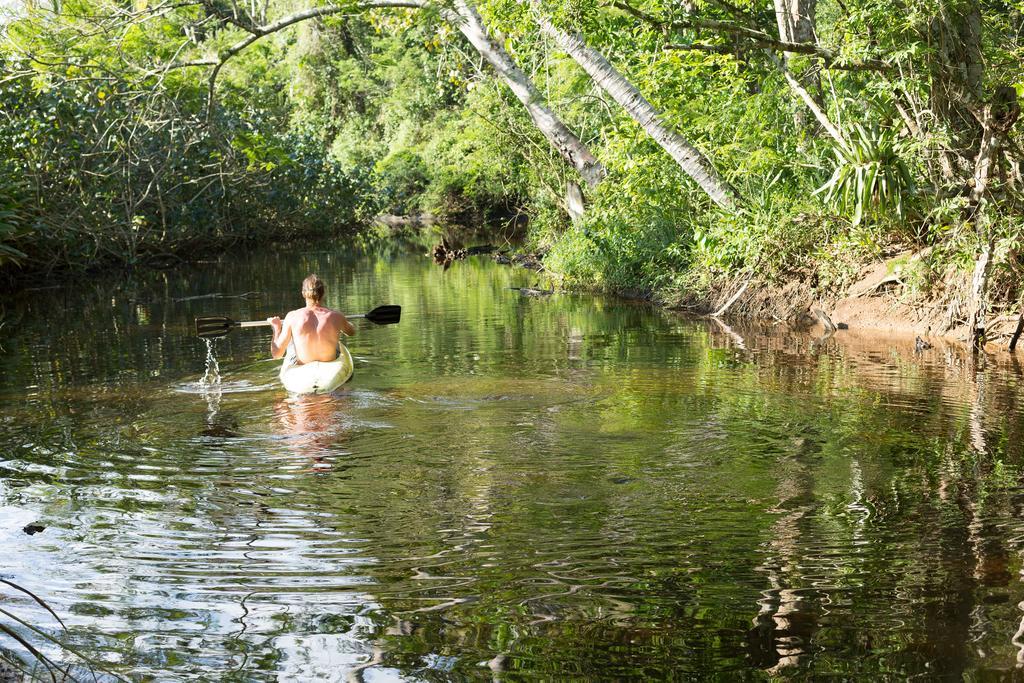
column 313, row 289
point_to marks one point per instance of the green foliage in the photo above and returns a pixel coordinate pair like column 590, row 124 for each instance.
column 316, row 128
column 633, row 248
column 112, row 165
column 870, row 178
column 12, row 221
column 401, row 179
column 471, row 180
column 101, row 177
column 410, row 110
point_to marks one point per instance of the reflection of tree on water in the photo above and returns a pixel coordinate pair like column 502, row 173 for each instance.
column 313, row 426
column 788, row 617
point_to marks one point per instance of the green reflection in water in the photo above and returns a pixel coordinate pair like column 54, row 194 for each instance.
column 510, row 487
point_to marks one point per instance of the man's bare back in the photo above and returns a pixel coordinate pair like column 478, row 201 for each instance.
column 314, row 329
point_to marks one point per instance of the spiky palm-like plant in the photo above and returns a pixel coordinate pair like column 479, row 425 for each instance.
column 870, row 178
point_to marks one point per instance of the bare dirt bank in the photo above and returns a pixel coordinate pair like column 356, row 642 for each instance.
column 880, row 300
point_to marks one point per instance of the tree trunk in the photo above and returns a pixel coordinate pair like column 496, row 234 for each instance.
column 996, row 119
column 468, row 20
column 796, row 21
column 976, row 304
column 987, row 156
column 693, row 163
column 957, row 71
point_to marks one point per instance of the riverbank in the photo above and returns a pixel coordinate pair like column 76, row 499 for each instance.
column 885, row 296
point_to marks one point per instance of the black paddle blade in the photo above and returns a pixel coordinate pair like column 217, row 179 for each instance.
column 213, row 326
column 385, row 315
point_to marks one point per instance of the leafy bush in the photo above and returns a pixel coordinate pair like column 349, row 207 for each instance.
column 112, row 183
column 400, row 180
column 637, row 229
column 474, row 178
column 12, row 220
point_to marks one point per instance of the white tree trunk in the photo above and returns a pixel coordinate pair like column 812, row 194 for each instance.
column 693, row 163
column 796, row 22
column 468, row 20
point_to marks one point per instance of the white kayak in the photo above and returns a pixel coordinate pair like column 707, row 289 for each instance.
column 318, row 377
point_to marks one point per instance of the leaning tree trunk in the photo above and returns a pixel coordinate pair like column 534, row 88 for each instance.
column 468, row 20
column 693, row 163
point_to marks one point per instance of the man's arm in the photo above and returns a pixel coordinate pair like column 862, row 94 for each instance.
column 345, row 326
column 282, row 335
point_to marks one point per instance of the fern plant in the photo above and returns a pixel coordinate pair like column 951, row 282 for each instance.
column 870, row 178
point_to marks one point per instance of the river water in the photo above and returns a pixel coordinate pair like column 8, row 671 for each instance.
column 510, row 487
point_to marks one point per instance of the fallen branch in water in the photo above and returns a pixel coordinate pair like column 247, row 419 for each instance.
column 732, row 299
column 825, row 321
column 218, row 295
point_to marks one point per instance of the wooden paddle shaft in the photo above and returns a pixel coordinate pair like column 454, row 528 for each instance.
column 259, row 323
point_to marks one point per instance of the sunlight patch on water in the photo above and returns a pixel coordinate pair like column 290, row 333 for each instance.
column 240, row 386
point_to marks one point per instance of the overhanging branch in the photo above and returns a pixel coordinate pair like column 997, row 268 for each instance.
column 754, row 37
column 771, row 44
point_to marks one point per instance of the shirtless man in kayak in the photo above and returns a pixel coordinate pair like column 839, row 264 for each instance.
column 315, row 329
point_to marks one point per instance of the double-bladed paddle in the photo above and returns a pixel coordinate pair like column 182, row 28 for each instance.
column 211, row 327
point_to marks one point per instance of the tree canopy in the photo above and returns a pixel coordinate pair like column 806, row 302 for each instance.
column 792, row 138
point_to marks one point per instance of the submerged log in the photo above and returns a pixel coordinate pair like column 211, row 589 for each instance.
column 218, row 295
column 533, row 291
column 443, row 253
column 531, row 261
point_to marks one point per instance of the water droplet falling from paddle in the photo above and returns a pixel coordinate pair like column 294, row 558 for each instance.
column 212, row 375
column 210, row 383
